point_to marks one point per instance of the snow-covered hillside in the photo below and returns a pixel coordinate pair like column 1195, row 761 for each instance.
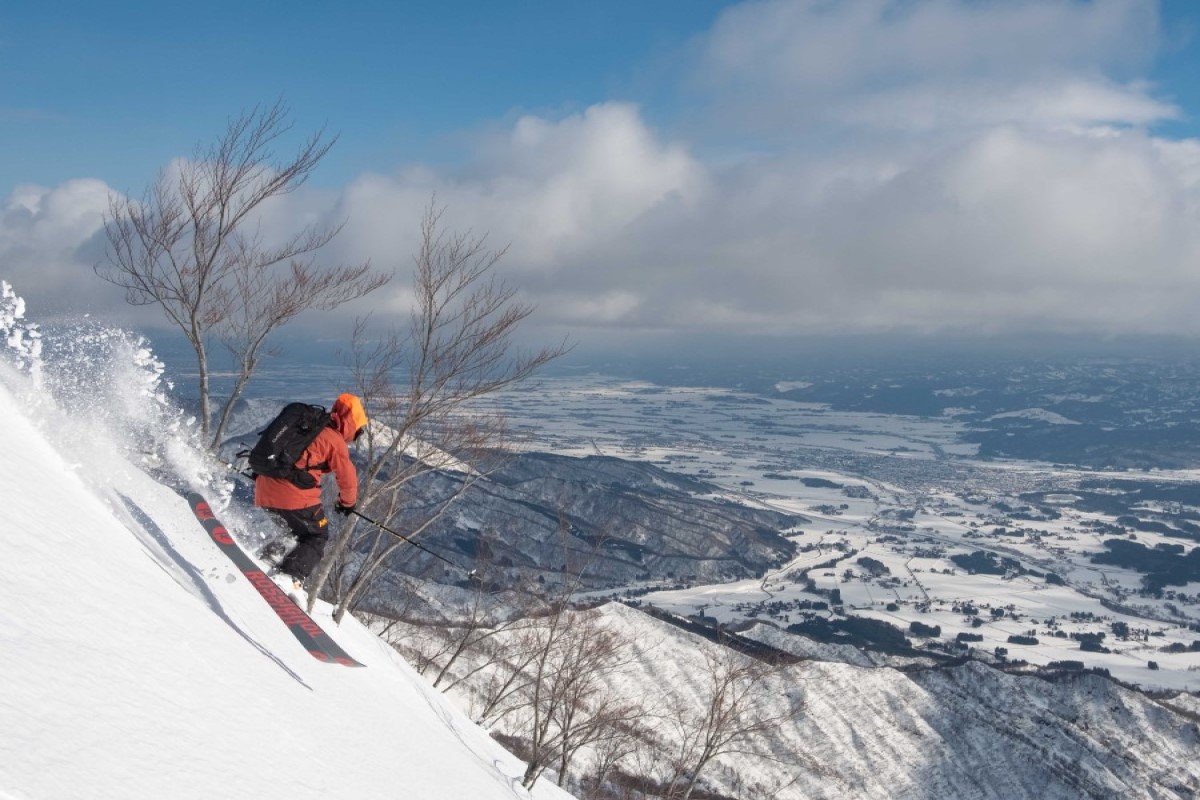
column 841, row 730
column 135, row 662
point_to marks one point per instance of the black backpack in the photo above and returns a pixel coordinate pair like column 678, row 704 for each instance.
column 282, row 443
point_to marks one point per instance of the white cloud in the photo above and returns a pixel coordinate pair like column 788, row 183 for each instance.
column 1009, row 228
column 1063, row 103
column 935, row 164
column 783, row 65
column 924, row 165
column 56, row 218
column 47, row 247
column 840, row 45
column 552, row 191
column 1008, row 231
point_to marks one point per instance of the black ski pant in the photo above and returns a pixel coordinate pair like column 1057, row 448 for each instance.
column 310, row 526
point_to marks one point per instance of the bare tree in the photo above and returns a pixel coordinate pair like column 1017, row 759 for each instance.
column 563, row 694
column 504, row 684
column 488, row 645
column 191, row 246
column 728, row 721
column 421, row 387
column 563, row 700
column 592, row 711
column 544, row 669
column 484, row 631
column 610, row 750
column 555, row 690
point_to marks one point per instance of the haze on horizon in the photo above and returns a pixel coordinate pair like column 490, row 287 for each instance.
column 771, row 171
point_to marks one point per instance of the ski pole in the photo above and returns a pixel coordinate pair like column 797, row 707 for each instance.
column 398, row 535
column 418, row 545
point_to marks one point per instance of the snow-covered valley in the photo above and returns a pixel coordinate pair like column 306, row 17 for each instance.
column 896, row 506
column 138, row 663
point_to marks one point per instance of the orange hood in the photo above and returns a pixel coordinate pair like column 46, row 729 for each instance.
column 348, row 415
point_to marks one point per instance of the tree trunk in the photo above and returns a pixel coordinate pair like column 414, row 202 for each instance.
column 248, row 369
column 205, row 399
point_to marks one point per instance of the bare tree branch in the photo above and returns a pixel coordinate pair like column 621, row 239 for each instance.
column 187, row 246
column 729, row 719
column 420, row 385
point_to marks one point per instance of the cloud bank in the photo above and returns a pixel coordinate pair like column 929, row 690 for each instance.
column 901, row 166
column 48, row 243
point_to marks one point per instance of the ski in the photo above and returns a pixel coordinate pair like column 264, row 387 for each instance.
column 312, row 638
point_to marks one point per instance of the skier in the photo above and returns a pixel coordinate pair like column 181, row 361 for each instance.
column 300, row 508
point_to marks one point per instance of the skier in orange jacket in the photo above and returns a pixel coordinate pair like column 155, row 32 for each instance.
column 300, row 509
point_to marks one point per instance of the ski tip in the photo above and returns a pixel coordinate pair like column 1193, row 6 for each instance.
column 328, row 658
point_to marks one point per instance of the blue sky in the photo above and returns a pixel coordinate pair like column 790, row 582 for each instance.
column 1177, row 69
column 775, row 167
column 114, row 90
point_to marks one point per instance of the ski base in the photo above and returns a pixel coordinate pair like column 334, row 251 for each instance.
column 319, row 644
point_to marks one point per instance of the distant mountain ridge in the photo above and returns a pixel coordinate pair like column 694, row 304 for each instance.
column 627, row 521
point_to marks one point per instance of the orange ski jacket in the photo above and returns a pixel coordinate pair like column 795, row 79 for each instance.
column 327, row 453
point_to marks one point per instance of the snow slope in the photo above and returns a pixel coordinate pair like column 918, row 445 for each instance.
column 965, row 732
column 136, row 664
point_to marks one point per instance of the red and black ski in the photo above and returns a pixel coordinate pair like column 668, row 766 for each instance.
column 310, row 635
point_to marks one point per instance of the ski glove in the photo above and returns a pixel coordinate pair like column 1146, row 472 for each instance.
column 343, row 509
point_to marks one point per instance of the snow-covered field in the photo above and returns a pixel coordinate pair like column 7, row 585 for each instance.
column 903, row 491
column 136, row 664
